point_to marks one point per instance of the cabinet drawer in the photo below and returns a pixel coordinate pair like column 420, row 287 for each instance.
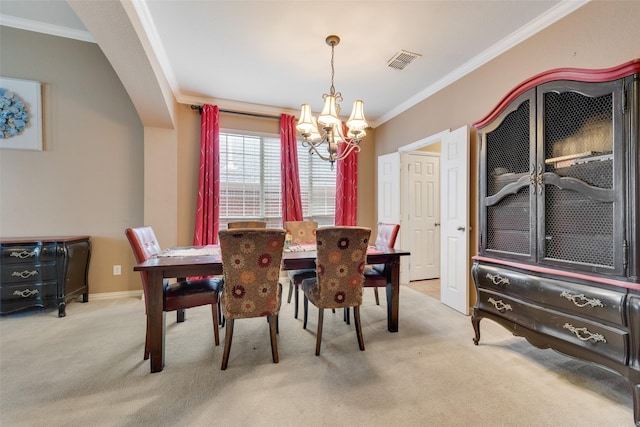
column 573, row 298
column 504, row 306
column 18, row 297
column 607, row 341
column 27, row 273
column 28, row 253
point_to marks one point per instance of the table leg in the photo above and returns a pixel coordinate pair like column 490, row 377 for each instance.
column 393, row 296
column 156, row 321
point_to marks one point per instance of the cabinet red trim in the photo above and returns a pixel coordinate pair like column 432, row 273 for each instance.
column 575, row 74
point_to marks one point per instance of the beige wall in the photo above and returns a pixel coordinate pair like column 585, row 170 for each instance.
column 598, row 35
column 88, row 178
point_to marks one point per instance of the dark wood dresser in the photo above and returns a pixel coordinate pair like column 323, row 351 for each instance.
column 43, row 272
column 559, row 216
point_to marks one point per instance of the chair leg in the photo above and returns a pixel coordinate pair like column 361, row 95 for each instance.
column 347, row 315
column 375, row 292
column 356, row 319
column 273, row 324
column 228, row 336
column 220, row 315
column 306, row 312
column 290, row 291
column 295, row 308
column 214, row 313
column 319, row 334
column 180, row 316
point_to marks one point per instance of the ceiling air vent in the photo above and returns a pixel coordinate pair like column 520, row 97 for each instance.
column 402, row 59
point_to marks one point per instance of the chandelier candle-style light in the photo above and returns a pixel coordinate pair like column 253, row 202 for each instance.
column 330, row 130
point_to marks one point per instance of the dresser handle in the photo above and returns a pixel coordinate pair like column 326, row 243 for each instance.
column 499, row 305
column 24, row 274
column 24, row 254
column 498, row 279
column 581, row 301
column 26, row 293
column 578, row 332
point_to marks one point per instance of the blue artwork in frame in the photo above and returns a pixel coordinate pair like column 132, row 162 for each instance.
column 20, row 114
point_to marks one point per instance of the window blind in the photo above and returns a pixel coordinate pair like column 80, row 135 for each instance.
column 250, row 185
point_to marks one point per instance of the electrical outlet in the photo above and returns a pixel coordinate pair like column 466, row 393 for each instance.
column 117, row 270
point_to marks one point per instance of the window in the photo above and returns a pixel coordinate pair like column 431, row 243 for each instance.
column 250, row 187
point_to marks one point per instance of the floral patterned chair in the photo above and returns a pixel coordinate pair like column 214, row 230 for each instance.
column 177, row 296
column 341, row 258
column 251, row 260
column 301, row 232
column 247, row 224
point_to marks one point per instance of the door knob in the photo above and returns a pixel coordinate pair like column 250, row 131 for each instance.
column 460, row 228
column 437, row 224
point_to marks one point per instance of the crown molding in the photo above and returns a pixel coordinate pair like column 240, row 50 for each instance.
column 41, row 27
column 562, row 9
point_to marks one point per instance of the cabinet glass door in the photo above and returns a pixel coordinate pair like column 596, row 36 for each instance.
column 506, row 182
column 579, row 212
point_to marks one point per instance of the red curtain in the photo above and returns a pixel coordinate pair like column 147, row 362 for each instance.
column 291, row 199
column 347, row 188
column 208, row 212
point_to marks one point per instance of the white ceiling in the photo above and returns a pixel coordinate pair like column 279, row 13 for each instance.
column 273, row 53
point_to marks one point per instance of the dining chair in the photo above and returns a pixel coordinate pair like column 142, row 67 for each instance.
column 176, row 296
column 341, row 257
column 378, row 275
column 300, row 232
column 251, row 260
column 247, row 224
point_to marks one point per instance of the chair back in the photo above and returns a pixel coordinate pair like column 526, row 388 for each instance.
column 251, row 260
column 341, row 257
column 246, row 224
column 387, row 234
column 144, row 245
column 301, row 231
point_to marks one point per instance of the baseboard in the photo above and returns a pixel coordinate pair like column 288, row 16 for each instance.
column 114, row 295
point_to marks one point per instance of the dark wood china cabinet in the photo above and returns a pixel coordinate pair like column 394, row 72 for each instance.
column 559, row 216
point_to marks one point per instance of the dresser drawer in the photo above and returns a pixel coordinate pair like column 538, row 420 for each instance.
column 507, row 307
column 607, row 341
column 573, row 298
column 27, row 273
column 28, row 253
column 18, row 297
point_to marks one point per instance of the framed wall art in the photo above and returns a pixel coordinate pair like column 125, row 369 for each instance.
column 20, row 114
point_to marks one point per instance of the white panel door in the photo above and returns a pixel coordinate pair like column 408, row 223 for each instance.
column 454, row 272
column 423, row 214
column 388, row 188
column 389, row 201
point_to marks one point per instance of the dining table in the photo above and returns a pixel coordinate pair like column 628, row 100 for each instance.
column 194, row 261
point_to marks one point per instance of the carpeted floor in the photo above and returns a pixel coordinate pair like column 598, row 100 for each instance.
column 87, row 370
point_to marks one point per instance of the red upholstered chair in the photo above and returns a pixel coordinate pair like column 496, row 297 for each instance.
column 176, row 296
column 376, row 276
column 342, row 254
column 251, row 260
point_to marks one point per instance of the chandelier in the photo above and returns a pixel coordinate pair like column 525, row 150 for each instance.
column 330, row 132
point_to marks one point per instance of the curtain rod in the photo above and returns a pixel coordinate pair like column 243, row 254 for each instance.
column 262, row 116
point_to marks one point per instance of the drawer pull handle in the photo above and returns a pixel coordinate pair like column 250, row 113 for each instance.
column 498, row 279
column 581, row 301
column 499, row 305
column 24, row 274
column 584, row 334
column 24, row 254
column 26, row 293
